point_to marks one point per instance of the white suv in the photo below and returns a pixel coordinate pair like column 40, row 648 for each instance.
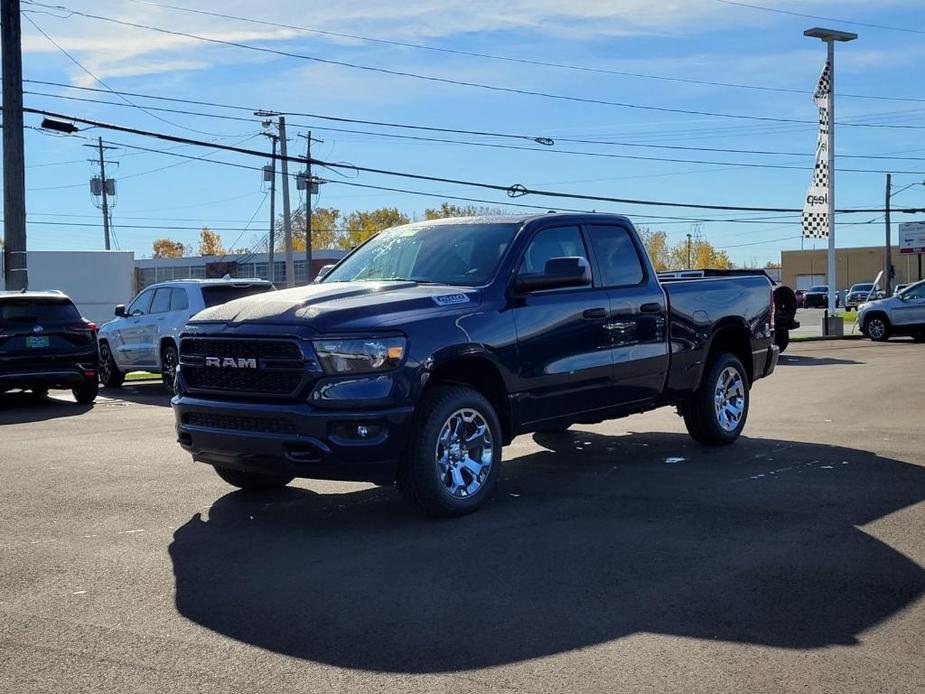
column 145, row 336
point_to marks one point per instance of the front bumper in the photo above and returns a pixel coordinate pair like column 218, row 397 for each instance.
column 294, row 439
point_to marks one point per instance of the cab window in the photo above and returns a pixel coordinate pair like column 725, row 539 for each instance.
column 558, row 242
column 617, row 256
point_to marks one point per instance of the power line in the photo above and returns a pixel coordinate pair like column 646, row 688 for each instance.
column 98, row 80
column 509, row 59
column 494, row 145
column 514, row 191
column 455, row 82
column 815, row 16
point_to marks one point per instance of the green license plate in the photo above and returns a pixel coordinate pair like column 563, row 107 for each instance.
column 37, row 342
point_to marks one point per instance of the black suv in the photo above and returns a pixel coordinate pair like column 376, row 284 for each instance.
column 46, row 343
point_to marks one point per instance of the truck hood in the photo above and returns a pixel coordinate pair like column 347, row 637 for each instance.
column 345, row 305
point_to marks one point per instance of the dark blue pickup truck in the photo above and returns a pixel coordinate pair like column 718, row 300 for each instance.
column 432, row 345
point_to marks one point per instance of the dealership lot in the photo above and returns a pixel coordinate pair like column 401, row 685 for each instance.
column 616, row 556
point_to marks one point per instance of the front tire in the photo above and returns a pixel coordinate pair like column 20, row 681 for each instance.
column 110, row 376
column 86, row 393
column 877, row 327
column 454, row 458
column 252, row 481
column 716, row 413
column 169, row 361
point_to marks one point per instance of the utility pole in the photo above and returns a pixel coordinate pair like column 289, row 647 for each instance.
column 287, row 214
column 104, row 184
column 309, row 187
column 14, row 170
column 271, row 261
column 689, row 251
column 887, row 261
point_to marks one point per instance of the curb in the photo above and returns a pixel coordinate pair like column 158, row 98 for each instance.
column 824, row 338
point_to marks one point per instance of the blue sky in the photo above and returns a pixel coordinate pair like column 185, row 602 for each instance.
column 705, row 40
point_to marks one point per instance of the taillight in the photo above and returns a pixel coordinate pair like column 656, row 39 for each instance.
column 83, row 327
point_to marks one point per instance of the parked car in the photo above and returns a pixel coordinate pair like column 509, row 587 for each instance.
column 901, row 314
column 45, row 343
column 860, row 293
column 818, row 297
column 146, row 335
column 430, row 346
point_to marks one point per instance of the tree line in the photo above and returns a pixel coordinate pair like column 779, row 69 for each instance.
column 332, row 228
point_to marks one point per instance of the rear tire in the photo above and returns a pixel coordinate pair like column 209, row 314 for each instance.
column 86, row 393
column 252, row 481
column 715, row 414
column 169, row 361
column 877, row 327
column 110, row 376
column 454, row 457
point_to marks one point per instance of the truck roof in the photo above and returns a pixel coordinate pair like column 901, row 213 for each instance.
column 522, row 218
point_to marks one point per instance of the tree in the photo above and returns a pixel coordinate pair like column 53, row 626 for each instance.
column 448, row 209
column 702, row 255
column 165, row 248
column 362, row 225
column 210, row 243
column 656, row 243
column 325, row 231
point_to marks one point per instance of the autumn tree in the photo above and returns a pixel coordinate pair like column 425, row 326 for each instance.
column 656, row 243
column 702, row 255
column 359, row 226
column 325, row 229
column 210, row 243
column 448, row 209
column 166, row 248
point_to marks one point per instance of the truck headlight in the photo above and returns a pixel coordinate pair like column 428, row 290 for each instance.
column 359, row 355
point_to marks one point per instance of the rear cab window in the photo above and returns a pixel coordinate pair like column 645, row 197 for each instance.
column 617, row 256
column 216, row 294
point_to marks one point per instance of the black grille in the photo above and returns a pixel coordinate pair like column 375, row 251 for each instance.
column 280, row 366
column 247, row 349
column 222, row 421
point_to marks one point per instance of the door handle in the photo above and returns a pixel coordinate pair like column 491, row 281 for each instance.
column 653, row 307
column 594, row 313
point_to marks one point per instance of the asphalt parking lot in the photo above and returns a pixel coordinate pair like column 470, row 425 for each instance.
column 616, row 557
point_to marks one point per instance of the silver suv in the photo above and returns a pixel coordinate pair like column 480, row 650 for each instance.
column 901, row 314
column 145, row 336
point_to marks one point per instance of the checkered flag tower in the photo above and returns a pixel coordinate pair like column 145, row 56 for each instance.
column 815, row 207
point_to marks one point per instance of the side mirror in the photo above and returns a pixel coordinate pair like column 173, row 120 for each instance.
column 323, row 272
column 559, row 273
column 120, row 311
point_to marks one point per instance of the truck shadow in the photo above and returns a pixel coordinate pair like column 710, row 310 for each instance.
column 592, row 539
column 140, row 392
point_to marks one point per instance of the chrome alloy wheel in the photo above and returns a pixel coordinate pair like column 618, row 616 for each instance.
column 464, row 453
column 729, row 399
column 876, row 328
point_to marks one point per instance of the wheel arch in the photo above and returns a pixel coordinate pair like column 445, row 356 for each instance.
column 476, row 370
column 733, row 337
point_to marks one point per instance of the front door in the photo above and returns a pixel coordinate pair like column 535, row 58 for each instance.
column 910, row 310
column 564, row 346
column 638, row 316
column 132, row 335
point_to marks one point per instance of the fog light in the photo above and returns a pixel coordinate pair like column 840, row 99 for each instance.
column 353, row 431
column 362, row 431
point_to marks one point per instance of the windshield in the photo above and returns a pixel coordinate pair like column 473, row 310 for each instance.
column 818, row 289
column 460, row 254
column 37, row 311
column 862, row 287
column 223, row 293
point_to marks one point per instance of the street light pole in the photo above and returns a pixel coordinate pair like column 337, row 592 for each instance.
column 887, row 260
column 830, row 36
